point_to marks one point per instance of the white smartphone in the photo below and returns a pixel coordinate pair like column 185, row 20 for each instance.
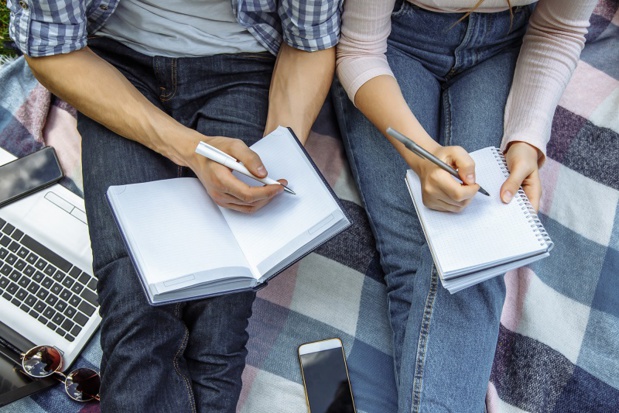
column 325, row 377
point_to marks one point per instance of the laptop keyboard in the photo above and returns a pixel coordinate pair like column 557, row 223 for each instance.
column 43, row 284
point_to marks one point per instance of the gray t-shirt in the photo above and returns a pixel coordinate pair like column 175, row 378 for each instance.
column 179, row 28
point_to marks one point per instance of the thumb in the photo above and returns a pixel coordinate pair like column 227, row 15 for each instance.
column 511, row 186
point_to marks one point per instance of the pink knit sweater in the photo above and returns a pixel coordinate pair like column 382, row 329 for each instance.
column 551, row 48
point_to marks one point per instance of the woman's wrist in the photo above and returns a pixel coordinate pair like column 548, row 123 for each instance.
column 526, row 147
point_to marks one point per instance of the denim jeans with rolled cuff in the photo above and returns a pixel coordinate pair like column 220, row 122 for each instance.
column 455, row 78
column 180, row 357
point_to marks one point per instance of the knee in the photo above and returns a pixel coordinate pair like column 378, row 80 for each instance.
column 125, row 311
column 483, row 301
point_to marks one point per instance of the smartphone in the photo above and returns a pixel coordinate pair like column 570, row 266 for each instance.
column 325, row 377
column 28, row 174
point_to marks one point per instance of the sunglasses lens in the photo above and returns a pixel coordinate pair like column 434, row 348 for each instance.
column 83, row 384
column 42, row 361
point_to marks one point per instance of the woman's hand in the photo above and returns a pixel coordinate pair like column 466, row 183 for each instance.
column 522, row 162
column 440, row 190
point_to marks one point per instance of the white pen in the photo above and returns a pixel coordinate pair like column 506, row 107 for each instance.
column 223, row 158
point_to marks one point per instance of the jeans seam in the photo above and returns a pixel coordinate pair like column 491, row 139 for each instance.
column 422, row 345
column 186, row 380
column 173, row 70
column 348, row 148
column 447, row 119
column 466, row 39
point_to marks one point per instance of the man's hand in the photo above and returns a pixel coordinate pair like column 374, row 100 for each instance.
column 524, row 172
column 226, row 189
column 101, row 92
column 440, row 190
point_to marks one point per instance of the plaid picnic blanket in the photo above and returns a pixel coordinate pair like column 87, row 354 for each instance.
column 558, row 349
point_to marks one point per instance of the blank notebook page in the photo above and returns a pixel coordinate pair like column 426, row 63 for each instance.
column 269, row 229
column 188, row 233
column 487, row 231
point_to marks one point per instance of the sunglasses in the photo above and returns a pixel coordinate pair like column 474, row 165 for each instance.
column 81, row 385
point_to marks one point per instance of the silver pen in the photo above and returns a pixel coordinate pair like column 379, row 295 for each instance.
column 216, row 155
column 422, row 153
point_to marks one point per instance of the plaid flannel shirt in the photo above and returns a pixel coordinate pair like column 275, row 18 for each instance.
column 49, row 27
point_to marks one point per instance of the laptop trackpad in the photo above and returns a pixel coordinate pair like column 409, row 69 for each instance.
column 60, row 224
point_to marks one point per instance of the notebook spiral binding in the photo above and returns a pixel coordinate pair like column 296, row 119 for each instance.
column 522, row 200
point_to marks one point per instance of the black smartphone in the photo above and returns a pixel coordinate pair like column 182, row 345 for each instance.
column 29, row 174
column 325, row 377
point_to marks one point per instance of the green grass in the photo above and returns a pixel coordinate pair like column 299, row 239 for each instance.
column 4, row 30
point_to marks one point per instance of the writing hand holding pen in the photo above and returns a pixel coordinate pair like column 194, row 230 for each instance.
column 224, row 187
column 214, row 154
column 440, row 193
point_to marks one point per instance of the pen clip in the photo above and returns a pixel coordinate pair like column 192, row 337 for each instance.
column 420, row 154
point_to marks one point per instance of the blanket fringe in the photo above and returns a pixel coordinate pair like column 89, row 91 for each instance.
column 4, row 60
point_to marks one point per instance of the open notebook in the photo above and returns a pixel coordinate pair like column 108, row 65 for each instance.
column 488, row 237
column 184, row 246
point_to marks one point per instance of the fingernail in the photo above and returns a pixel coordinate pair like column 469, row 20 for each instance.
column 507, row 196
column 262, row 170
column 470, row 179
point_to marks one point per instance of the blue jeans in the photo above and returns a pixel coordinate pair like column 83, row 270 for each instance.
column 456, row 81
column 180, row 357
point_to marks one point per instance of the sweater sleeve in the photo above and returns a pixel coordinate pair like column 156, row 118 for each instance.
column 550, row 51
column 366, row 24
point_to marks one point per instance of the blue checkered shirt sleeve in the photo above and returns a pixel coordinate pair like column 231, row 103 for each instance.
column 49, row 27
column 44, row 28
column 308, row 25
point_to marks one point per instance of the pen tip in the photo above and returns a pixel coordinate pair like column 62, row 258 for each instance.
column 290, row 191
column 483, row 191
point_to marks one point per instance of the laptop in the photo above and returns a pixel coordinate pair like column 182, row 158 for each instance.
column 47, row 288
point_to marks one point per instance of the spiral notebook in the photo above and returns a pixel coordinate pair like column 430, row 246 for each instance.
column 488, row 237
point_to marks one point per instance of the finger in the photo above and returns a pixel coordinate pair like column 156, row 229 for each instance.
column 512, row 184
column 451, row 190
column 244, row 193
column 464, row 164
column 461, row 194
column 522, row 160
column 442, row 201
column 248, row 195
column 249, row 158
column 232, row 202
column 532, row 186
column 229, row 192
column 444, row 206
column 283, row 181
column 246, row 209
column 534, row 196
